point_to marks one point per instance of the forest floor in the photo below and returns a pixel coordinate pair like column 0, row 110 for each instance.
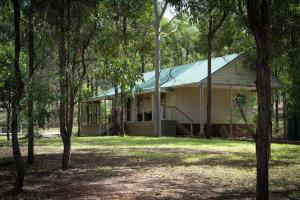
column 150, row 168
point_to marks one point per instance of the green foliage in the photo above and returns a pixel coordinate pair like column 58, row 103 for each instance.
column 121, row 45
column 6, row 72
column 179, row 43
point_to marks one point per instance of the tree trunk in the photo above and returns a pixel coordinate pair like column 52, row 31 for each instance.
column 187, row 52
column 88, row 82
column 93, row 85
column 8, row 110
column 63, row 104
column 122, row 128
column 258, row 21
column 71, row 113
column 157, row 118
column 79, row 119
column 30, row 157
column 143, row 61
column 208, row 113
column 66, row 161
column 276, row 111
column 264, row 128
column 96, row 86
column 157, row 114
column 116, row 111
column 18, row 92
column 66, row 158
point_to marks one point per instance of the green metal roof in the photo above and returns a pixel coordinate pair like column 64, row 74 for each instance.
column 195, row 72
column 186, row 74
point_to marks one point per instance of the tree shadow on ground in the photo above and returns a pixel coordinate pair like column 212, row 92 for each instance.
column 131, row 173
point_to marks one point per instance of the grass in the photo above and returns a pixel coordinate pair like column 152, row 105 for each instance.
column 185, row 166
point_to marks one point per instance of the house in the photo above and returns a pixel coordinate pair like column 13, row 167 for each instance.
column 184, row 100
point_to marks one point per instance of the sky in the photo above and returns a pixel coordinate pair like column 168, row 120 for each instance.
column 169, row 12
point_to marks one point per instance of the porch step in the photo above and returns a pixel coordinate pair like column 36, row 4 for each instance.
column 181, row 130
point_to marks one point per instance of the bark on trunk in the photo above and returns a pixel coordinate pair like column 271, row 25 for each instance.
column 66, row 158
column 116, row 111
column 63, row 104
column 8, row 110
column 122, row 128
column 208, row 113
column 258, row 21
column 93, row 85
column 143, row 62
column 18, row 92
column 96, row 86
column 79, row 119
column 30, row 157
column 212, row 29
column 276, row 103
column 187, row 52
column 276, row 111
column 157, row 114
column 71, row 113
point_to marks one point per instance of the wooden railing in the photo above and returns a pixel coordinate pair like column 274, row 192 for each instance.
column 175, row 111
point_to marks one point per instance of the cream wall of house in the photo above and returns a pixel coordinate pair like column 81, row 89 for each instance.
column 188, row 100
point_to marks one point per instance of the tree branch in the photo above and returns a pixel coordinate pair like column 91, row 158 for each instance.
column 163, row 10
column 215, row 28
column 174, row 17
column 241, row 12
column 248, row 127
column 42, row 59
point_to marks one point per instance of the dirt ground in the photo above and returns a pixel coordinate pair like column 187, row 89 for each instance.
column 130, row 173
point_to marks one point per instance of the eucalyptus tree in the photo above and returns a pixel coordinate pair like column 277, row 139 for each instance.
column 209, row 15
column 285, row 51
column 39, row 48
column 158, row 13
column 144, row 34
column 293, row 21
column 213, row 13
column 180, row 41
column 258, row 18
column 30, row 157
column 6, row 78
column 74, row 24
column 18, row 87
column 119, row 48
column 6, row 60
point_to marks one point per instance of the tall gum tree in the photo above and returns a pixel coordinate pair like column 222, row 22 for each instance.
column 157, row 114
column 258, row 18
column 30, row 157
column 18, row 88
column 209, row 15
column 65, row 135
column 73, row 44
column 215, row 20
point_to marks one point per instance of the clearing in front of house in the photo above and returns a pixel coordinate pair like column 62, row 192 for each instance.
column 150, row 168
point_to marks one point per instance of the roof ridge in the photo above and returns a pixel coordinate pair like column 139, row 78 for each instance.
column 186, row 64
